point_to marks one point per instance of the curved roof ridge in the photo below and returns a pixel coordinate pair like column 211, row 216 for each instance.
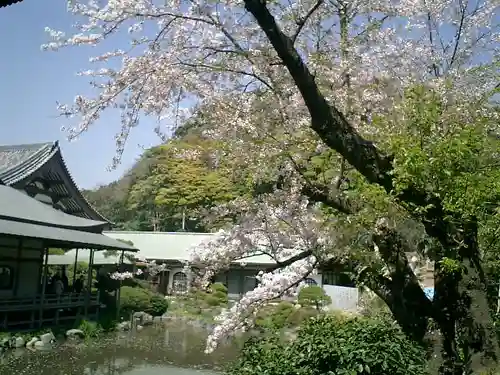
column 6, row 3
column 78, row 191
column 43, row 152
column 22, row 161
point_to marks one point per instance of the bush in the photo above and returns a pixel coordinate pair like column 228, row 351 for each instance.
column 138, row 299
column 313, row 296
column 333, row 345
column 217, row 295
column 282, row 315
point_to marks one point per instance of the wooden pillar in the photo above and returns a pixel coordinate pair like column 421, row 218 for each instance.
column 44, row 284
column 18, row 266
column 74, row 268
column 241, row 282
column 118, row 291
column 89, row 284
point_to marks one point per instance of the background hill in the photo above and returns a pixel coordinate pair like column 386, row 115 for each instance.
column 169, row 186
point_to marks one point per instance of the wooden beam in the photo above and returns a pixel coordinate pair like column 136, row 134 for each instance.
column 34, row 191
column 21, row 260
column 10, row 247
column 48, row 183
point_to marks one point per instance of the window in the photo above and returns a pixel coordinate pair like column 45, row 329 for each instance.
column 334, row 278
column 310, row 281
column 6, row 277
column 180, row 282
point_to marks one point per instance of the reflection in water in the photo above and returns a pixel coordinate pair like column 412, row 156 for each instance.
column 155, row 351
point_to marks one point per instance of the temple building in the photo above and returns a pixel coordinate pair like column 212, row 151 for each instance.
column 42, row 208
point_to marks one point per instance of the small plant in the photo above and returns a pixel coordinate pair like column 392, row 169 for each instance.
column 91, row 330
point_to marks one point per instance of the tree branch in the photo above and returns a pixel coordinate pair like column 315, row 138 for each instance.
column 290, row 261
column 326, row 120
column 302, row 21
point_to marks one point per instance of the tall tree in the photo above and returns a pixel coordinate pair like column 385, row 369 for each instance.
column 286, row 81
column 184, row 180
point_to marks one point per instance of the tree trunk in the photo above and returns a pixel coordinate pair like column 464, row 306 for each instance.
column 461, row 308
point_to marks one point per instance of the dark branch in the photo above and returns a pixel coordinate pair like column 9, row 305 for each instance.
column 328, row 122
column 303, row 20
column 290, row 261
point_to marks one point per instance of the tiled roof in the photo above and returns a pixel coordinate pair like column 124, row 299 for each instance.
column 172, row 246
column 19, row 161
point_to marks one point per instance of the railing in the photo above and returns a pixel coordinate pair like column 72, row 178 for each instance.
column 62, row 301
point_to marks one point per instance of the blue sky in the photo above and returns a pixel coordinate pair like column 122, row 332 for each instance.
column 31, row 81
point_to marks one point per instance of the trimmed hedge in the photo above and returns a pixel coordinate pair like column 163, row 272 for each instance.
column 139, row 299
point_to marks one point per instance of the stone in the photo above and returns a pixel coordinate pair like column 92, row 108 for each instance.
column 31, row 343
column 47, row 338
column 19, row 342
column 148, row 322
column 124, row 326
column 5, row 343
column 41, row 346
column 75, row 334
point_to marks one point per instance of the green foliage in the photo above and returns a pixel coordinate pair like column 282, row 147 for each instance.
column 441, row 153
column 313, row 295
column 333, row 345
column 138, row 299
column 282, row 315
column 91, row 330
column 217, row 295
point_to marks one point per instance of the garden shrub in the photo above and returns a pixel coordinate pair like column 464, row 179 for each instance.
column 275, row 316
column 216, row 296
column 332, row 345
column 282, row 315
column 138, row 299
column 313, row 296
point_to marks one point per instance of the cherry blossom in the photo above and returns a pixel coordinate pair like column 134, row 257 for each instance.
column 184, row 59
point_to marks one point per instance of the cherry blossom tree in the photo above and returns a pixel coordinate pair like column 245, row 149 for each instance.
column 285, row 84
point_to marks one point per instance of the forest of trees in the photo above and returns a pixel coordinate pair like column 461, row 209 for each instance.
column 163, row 191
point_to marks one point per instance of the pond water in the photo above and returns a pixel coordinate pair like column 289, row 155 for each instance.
column 151, row 352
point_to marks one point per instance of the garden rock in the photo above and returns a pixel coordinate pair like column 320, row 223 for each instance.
column 41, row 346
column 74, row 334
column 124, row 326
column 47, row 338
column 19, row 342
column 32, row 342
